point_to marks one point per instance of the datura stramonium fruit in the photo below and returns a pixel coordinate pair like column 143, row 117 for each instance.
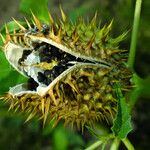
column 72, row 69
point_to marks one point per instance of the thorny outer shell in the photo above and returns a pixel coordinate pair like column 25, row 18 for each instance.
column 85, row 95
column 82, row 94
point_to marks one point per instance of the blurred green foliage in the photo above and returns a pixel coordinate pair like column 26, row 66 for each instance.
column 40, row 8
column 14, row 133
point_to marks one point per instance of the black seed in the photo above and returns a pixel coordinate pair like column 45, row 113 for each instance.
column 46, row 51
column 48, row 73
column 53, row 76
column 45, row 59
column 31, row 84
column 63, row 61
column 55, row 71
column 48, row 81
column 55, row 52
column 24, row 56
column 36, row 45
column 68, row 57
column 49, row 76
column 60, row 69
column 26, row 52
column 45, row 81
column 20, row 60
column 41, row 77
column 41, row 48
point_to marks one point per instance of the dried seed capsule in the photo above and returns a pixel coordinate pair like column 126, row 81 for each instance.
column 76, row 81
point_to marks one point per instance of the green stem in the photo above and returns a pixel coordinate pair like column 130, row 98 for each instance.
column 128, row 144
column 115, row 144
column 95, row 145
column 134, row 33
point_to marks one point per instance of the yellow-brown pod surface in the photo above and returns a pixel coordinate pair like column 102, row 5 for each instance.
column 72, row 70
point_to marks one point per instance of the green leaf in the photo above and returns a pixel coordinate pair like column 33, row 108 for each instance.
column 122, row 123
column 8, row 75
column 11, row 79
column 11, row 25
column 38, row 7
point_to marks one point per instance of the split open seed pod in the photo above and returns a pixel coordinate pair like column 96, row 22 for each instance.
column 72, row 70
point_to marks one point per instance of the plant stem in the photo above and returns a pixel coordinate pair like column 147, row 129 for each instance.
column 115, row 144
column 95, row 145
column 128, row 144
column 134, row 33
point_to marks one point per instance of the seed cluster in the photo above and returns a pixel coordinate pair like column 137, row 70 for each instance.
column 48, row 53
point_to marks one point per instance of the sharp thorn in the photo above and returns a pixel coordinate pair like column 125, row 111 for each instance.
column 33, row 22
column 93, row 22
column 111, row 23
column 74, row 33
column 14, row 37
column 2, row 37
column 21, row 27
column 27, row 23
column 64, row 18
column 56, row 122
column 52, row 31
column 89, row 44
column 59, row 33
column 46, row 111
column 75, row 40
column 2, row 98
column 30, row 116
column 20, row 40
column 8, row 38
column 110, row 52
column 109, row 26
column 42, row 105
column 50, row 18
column 37, row 21
column 17, row 34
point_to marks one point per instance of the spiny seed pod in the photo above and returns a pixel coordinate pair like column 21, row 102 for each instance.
column 72, row 70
